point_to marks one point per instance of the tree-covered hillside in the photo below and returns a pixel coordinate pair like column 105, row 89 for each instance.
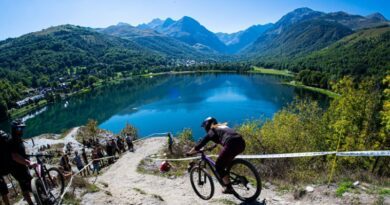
column 363, row 53
column 50, row 53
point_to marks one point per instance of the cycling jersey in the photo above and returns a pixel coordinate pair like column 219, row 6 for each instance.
column 220, row 135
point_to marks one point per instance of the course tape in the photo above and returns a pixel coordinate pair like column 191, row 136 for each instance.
column 378, row 153
column 71, row 179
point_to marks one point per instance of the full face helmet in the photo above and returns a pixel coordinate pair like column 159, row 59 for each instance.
column 206, row 124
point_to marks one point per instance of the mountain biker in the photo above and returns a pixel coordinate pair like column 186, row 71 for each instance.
column 20, row 161
column 232, row 142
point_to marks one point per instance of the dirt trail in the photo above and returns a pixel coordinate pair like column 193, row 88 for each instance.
column 127, row 186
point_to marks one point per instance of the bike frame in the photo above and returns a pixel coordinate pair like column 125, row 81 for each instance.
column 40, row 170
column 205, row 160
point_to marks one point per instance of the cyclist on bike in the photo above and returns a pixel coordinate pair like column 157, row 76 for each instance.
column 232, row 142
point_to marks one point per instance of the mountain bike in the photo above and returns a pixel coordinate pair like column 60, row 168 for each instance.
column 244, row 178
column 48, row 184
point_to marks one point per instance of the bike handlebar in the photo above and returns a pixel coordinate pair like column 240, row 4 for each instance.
column 203, row 150
column 41, row 155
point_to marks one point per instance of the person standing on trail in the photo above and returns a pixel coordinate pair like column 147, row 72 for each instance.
column 85, row 159
column 129, row 142
column 232, row 142
column 19, row 163
column 170, row 142
column 109, row 151
column 64, row 164
column 95, row 161
column 79, row 164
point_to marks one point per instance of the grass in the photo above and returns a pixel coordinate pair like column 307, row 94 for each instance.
column 70, row 198
column 272, row 71
column 384, row 191
column 318, row 90
column 157, row 197
column 92, row 188
column 16, row 112
column 343, row 187
column 224, row 201
column 139, row 190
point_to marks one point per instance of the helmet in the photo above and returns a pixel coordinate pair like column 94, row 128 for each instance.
column 18, row 123
column 206, row 124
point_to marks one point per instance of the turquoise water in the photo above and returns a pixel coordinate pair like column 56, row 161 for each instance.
column 171, row 103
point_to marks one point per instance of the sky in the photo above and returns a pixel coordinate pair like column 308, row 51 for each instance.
column 18, row 17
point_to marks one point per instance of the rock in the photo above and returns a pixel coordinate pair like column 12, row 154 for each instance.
column 356, row 183
column 309, row 189
column 172, row 177
column 267, row 185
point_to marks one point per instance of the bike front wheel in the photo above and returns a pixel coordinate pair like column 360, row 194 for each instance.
column 245, row 180
column 38, row 191
column 55, row 183
column 202, row 183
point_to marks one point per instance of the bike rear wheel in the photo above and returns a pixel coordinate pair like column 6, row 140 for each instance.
column 245, row 180
column 202, row 183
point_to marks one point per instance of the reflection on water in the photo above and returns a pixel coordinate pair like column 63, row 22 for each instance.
column 171, row 103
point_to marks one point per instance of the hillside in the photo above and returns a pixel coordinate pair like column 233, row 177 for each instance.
column 52, row 51
column 363, row 53
column 304, row 30
column 299, row 39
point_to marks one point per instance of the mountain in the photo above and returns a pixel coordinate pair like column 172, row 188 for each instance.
column 304, row 30
column 365, row 52
column 187, row 30
column 356, row 22
column 51, row 52
column 163, row 44
column 239, row 40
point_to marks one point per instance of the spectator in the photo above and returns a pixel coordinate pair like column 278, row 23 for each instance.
column 170, row 142
column 65, row 166
column 129, row 142
column 79, row 164
column 95, row 162
column 121, row 146
column 85, row 159
column 109, row 150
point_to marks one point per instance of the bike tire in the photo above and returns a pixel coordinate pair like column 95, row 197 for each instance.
column 201, row 173
column 37, row 188
column 254, row 173
column 60, row 179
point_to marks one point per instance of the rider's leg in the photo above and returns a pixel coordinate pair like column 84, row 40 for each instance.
column 26, row 196
column 22, row 175
column 4, row 191
column 226, row 156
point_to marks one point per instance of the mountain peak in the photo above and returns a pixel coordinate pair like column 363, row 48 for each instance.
column 302, row 10
column 377, row 15
column 123, row 24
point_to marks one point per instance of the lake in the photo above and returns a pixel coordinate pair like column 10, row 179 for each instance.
column 170, row 103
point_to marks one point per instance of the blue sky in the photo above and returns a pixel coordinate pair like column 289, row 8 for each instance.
column 19, row 17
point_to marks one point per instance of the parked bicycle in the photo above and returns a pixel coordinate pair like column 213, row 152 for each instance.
column 48, row 184
column 244, row 178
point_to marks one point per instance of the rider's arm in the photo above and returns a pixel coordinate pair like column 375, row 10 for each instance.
column 19, row 159
column 204, row 141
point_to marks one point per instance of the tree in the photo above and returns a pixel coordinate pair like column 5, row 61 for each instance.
column 130, row 130
column 92, row 128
